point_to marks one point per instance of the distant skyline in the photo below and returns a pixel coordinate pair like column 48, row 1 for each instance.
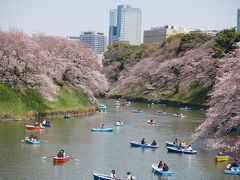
column 71, row 17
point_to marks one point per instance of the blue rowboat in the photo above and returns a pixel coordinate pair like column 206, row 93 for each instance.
column 185, row 151
column 158, row 171
column 170, row 144
column 102, row 129
column 47, row 124
column 232, row 172
column 135, row 144
column 29, row 141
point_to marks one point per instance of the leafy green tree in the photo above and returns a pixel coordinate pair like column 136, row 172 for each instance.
column 225, row 42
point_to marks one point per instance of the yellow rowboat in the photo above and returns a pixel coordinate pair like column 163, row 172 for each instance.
column 222, row 158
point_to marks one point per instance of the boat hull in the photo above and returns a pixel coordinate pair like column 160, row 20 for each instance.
column 149, row 122
column 97, row 176
column 47, row 125
column 60, row 160
column 28, row 141
column 169, row 144
column 175, row 150
column 232, row 172
column 221, row 158
column 135, row 144
column 102, row 129
column 33, row 128
column 157, row 171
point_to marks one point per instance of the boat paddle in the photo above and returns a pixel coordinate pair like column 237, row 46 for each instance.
column 45, row 157
column 74, row 159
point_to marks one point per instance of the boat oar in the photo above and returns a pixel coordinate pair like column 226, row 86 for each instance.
column 45, row 157
column 74, row 159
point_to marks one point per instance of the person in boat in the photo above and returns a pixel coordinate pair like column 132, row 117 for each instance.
column 154, row 143
column 61, row 153
column 175, row 141
column 44, row 121
column 160, row 165
column 113, row 175
column 151, row 120
column 143, row 141
column 165, row 167
column 31, row 137
column 36, row 124
column 235, row 163
column 102, row 126
column 35, row 139
column 129, row 176
column 189, row 148
column 222, row 153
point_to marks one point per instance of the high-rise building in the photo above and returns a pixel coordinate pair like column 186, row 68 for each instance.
column 96, row 41
column 159, row 34
column 238, row 20
column 112, row 26
column 125, row 24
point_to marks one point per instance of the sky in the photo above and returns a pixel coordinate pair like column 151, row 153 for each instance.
column 71, row 17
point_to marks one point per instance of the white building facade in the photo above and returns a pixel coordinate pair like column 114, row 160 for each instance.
column 127, row 22
column 96, row 41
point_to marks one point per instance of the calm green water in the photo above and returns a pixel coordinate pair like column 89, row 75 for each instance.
column 102, row 152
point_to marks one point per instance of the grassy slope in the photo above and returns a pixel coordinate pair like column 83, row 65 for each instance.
column 16, row 103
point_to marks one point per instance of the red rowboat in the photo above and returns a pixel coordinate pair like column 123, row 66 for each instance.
column 31, row 127
column 58, row 160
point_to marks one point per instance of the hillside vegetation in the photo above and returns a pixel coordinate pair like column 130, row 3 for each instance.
column 40, row 73
column 181, row 69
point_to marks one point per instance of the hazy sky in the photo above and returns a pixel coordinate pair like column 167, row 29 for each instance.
column 70, row 17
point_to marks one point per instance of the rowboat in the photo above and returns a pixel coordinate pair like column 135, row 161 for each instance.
column 151, row 122
column 97, row 176
column 31, row 127
column 170, row 144
column 185, row 151
column 67, row 116
column 102, row 129
column 119, row 123
column 31, row 141
column 58, row 160
column 48, row 124
column 160, row 172
column 137, row 111
column 135, row 144
column 222, row 158
column 185, row 108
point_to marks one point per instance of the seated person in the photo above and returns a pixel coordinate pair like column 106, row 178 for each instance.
column 61, row 153
column 154, row 143
column 102, row 126
column 160, row 165
column 165, row 167
column 222, row 153
column 235, row 163
column 189, row 148
column 113, row 175
column 175, row 141
column 143, row 141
